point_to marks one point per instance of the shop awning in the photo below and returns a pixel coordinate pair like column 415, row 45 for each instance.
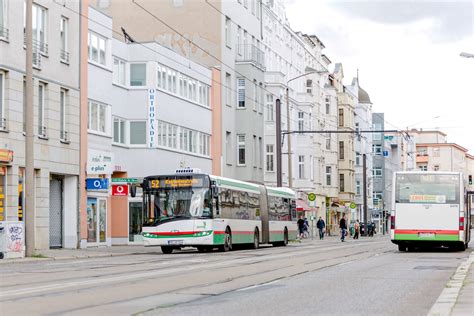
column 303, row 206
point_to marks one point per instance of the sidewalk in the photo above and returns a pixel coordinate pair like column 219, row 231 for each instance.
column 465, row 303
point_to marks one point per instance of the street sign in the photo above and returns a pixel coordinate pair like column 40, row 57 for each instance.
column 385, row 153
column 353, row 205
column 120, row 190
column 312, row 218
column 311, row 197
column 97, row 184
column 124, row 180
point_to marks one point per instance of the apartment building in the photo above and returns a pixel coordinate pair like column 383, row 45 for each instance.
column 222, row 35
column 379, row 173
column 56, row 63
column 125, row 80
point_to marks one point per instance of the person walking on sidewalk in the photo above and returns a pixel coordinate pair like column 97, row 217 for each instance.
column 321, row 225
column 301, row 225
column 343, row 227
column 356, row 229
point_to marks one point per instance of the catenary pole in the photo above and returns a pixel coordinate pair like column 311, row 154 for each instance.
column 30, row 207
column 278, row 142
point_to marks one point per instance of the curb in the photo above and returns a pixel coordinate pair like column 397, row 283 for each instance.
column 444, row 305
column 29, row 260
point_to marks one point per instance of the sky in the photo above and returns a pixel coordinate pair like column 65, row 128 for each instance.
column 407, row 54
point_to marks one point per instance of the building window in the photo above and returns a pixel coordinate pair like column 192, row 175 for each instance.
column 2, row 98
column 328, row 106
column 270, row 108
column 119, row 71
column 252, row 6
column 358, row 187
column 436, row 152
column 239, row 40
column 436, row 168
column 64, row 35
column 377, row 149
column 63, row 114
column 96, row 48
column 309, row 86
column 328, row 142
column 341, row 183
column 172, row 136
column 41, row 110
column 138, row 75
column 39, row 28
column 258, row 9
column 261, row 100
column 138, row 133
column 260, row 153
column 228, row 148
column 228, row 89
column 119, row 130
column 357, row 159
column 269, row 158
column 341, row 150
column 300, row 121
column 24, row 106
column 301, row 173
column 377, row 197
column 3, row 19
column 377, row 172
column 328, row 175
column 241, row 92
column 204, row 141
column 255, row 151
column 341, row 117
column 227, row 31
column 97, row 117
column 241, row 149
column 423, row 167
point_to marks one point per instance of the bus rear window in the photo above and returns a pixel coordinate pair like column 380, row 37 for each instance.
column 427, row 188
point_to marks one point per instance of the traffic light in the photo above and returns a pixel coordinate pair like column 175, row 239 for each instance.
column 470, row 180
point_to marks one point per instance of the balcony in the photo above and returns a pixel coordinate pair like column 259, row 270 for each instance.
column 3, row 124
column 422, row 158
column 42, row 131
column 39, row 46
column 250, row 53
column 4, row 33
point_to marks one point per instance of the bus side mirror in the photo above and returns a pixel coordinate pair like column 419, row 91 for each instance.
column 133, row 190
column 214, row 191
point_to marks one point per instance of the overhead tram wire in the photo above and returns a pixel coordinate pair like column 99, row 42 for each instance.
column 202, row 49
column 120, row 34
column 290, row 62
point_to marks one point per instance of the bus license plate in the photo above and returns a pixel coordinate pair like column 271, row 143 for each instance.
column 175, row 242
column 427, row 235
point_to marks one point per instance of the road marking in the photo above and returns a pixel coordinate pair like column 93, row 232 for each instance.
column 445, row 303
column 121, row 278
column 257, row 286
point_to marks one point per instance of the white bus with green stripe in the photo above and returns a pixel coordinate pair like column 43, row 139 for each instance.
column 192, row 209
column 430, row 210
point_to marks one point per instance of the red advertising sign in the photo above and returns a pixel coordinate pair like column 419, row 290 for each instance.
column 120, row 190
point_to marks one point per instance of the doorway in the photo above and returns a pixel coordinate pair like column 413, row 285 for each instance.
column 56, row 212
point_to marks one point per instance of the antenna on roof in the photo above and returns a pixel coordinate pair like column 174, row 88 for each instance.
column 128, row 38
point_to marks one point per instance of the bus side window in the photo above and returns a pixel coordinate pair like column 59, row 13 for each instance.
column 215, row 206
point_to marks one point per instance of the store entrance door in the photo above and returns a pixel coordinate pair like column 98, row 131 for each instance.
column 96, row 221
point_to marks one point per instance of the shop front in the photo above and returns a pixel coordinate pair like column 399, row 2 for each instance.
column 97, row 202
column 6, row 158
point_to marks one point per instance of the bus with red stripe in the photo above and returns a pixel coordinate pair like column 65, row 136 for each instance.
column 194, row 209
column 430, row 209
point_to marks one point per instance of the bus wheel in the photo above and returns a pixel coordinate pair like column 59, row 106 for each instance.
column 201, row 249
column 227, row 241
column 256, row 240
column 166, row 250
column 402, row 247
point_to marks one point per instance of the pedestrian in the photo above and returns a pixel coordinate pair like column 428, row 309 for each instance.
column 300, row 224
column 343, row 227
column 321, row 225
column 306, row 228
column 356, row 229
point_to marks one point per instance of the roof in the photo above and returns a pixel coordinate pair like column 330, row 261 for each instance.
column 363, row 96
column 419, row 131
column 442, row 145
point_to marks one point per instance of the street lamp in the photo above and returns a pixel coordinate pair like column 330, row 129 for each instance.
column 308, row 71
column 466, row 55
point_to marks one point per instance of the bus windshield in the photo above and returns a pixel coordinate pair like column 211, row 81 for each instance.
column 427, row 188
column 177, row 198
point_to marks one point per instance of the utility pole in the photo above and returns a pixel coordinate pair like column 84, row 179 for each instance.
column 290, row 171
column 30, row 212
column 278, row 142
column 364, row 183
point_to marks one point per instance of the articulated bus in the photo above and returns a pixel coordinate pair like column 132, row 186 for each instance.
column 430, row 209
column 192, row 209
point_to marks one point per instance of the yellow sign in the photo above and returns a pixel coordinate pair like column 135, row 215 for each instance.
column 180, row 182
column 6, row 155
column 155, row 184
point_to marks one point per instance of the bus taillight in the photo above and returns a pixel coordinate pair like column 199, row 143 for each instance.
column 461, row 223
column 392, row 222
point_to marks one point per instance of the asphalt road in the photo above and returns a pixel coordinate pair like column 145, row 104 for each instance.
column 368, row 276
